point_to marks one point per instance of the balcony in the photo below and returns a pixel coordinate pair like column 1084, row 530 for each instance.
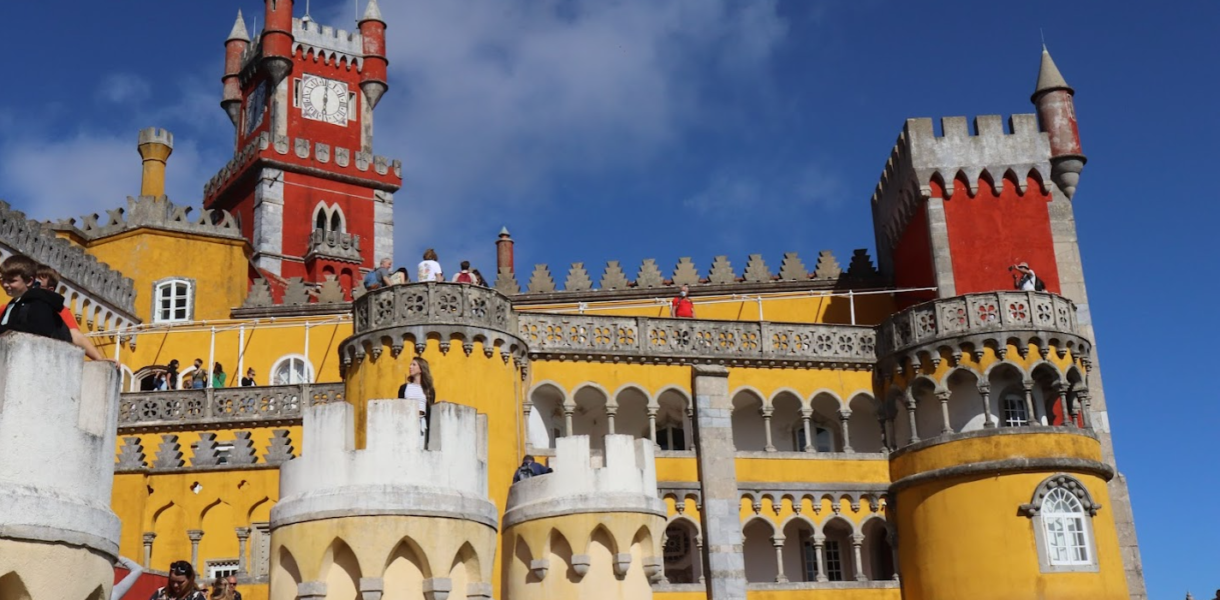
column 334, row 245
column 210, row 407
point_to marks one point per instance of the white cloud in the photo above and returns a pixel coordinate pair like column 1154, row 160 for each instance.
column 734, row 191
column 120, row 88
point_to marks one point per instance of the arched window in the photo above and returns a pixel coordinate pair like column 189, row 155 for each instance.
column 336, row 221
column 823, row 439
column 291, row 370
column 1012, row 403
column 1061, row 512
column 682, row 562
column 173, row 300
column 671, row 437
column 319, row 221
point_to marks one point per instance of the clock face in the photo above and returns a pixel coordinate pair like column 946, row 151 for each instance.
column 324, row 100
column 256, row 106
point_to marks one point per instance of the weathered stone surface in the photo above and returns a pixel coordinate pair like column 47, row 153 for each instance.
column 722, row 271
column 685, row 272
column 578, row 279
column 541, row 281
column 613, row 278
column 649, row 275
column 792, row 269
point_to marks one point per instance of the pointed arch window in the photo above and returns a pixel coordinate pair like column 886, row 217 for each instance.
column 1061, row 512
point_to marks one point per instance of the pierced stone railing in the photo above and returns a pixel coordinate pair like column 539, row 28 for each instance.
column 987, row 318
column 732, row 342
column 335, row 244
column 222, row 405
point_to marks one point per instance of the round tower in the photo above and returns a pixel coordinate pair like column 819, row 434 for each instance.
column 154, row 145
column 591, row 529
column 1057, row 112
column 235, row 48
column 57, row 436
column 277, row 40
column 389, row 517
column 373, row 72
column 999, row 482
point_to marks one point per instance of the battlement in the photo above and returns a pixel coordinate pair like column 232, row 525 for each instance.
column 326, row 42
column 58, row 418
column 156, row 135
column 393, row 474
column 623, row 479
column 76, row 268
column 335, row 244
column 989, row 153
column 301, row 154
column 157, row 212
column 827, row 271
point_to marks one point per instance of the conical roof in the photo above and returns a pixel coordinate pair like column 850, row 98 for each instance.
column 372, row 12
column 1049, row 78
column 239, row 29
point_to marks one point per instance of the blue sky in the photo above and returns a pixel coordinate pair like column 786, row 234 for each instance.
column 635, row 129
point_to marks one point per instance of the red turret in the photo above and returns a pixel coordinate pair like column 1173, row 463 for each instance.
column 373, row 75
column 504, row 251
column 277, row 40
column 1057, row 113
column 235, row 47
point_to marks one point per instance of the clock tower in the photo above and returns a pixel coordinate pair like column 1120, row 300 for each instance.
column 311, row 197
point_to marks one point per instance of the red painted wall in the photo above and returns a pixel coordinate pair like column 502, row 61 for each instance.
column 912, row 260
column 990, row 231
column 302, row 194
column 144, row 586
column 337, row 136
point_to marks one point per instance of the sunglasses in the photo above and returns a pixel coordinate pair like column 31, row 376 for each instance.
column 180, row 568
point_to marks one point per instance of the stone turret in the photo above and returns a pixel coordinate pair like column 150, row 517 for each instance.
column 1057, row 111
column 58, row 417
column 373, row 75
column 155, row 145
column 235, row 48
column 277, row 40
column 594, row 524
column 389, row 516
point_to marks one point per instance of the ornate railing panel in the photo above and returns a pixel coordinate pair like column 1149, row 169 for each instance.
column 220, row 405
column 434, row 303
column 1036, row 314
column 731, row 341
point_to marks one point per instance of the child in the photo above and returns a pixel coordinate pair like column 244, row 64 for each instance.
column 33, row 309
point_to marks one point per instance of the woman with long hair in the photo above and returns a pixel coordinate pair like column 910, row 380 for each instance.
column 219, row 376
column 419, row 389
column 180, row 584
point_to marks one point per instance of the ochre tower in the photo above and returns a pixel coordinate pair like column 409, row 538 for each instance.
column 466, row 333
column 58, row 536
column 390, row 520
column 591, row 530
column 311, row 197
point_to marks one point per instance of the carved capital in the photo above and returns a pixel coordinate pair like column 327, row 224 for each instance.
column 581, row 564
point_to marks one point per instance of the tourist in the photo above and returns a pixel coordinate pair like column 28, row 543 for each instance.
column 49, row 279
column 231, row 580
column 429, row 268
column 419, row 389
column 1024, row 279
column 529, row 468
column 218, row 376
column 682, row 307
column 171, row 374
column 159, row 383
column 32, row 309
column 465, row 276
column 248, row 380
column 478, row 278
column 199, row 377
column 134, row 571
column 379, row 277
column 181, row 584
column 225, row 588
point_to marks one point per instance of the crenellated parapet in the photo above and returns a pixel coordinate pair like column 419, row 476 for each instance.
column 57, row 435
column 156, row 212
column 721, row 277
column 299, row 155
column 79, row 271
column 327, row 44
column 989, row 155
column 334, row 245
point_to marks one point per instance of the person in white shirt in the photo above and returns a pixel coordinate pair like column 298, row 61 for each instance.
column 419, row 389
column 429, row 268
column 1028, row 281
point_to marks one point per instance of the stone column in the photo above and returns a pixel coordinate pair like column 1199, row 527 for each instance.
column 1065, row 401
column 148, row 542
column 778, row 543
column 885, row 435
column 1083, row 408
column 723, row 562
column 946, row 424
column 819, row 550
column 611, row 410
column 806, row 417
column 857, row 540
column 1028, row 387
column 371, row 588
column 766, row 415
column 568, row 411
column 688, row 429
column 311, row 590
column 844, row 415
column 891, row 535
column 985, row 393
column 652, row 425
column 195, row 535
column 911, row 417
column 243, row 534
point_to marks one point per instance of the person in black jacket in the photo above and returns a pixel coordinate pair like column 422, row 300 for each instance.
column 32, row 309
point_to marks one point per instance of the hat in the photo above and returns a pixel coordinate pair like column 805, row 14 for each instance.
column 1023, row 265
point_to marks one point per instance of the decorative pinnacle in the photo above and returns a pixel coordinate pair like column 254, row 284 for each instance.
column 504, row 232
column 1049, row 78
column 239, row 29
column 372, row 12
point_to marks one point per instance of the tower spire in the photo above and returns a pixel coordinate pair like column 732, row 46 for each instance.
column 1057, row 112
column 235, row 49
column 1049, row 77
column 239, row 29
column 372, row 12
column 373, row 74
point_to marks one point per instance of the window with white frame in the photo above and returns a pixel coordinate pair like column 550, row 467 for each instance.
column 221, row 568
column 173, row 300
column 291, row 370
column 1063, row 522
column 1013, row 405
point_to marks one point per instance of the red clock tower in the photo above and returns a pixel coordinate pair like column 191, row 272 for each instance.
column 312, row 198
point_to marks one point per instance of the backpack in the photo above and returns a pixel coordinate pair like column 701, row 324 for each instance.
column 37, row 313
column 524, row 472
column 464, row 278
column 1039, row 285
column 371, row 279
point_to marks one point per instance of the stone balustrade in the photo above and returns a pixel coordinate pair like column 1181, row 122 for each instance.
column 974, row 321
column 731, row 342
column 209, row 406
column 335, row 244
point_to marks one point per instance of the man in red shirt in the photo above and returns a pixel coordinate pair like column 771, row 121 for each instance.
column 682, row 307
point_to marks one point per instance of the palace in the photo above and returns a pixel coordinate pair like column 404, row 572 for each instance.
column 912, row 429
